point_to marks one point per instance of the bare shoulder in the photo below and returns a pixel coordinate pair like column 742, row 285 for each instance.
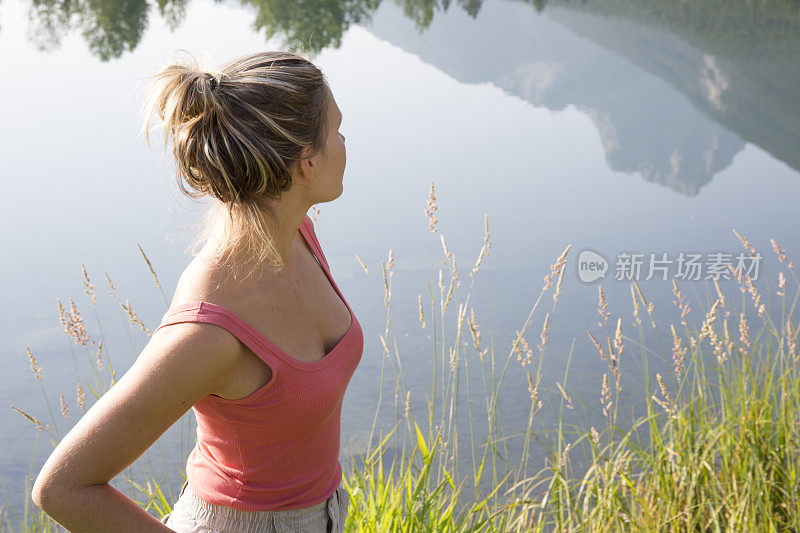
column 204, row 280
column 201, row 283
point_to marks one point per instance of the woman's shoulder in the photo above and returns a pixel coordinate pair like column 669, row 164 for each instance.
column 207, row 279
column 203, row 283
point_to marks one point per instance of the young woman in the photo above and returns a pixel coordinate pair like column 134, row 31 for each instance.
column 258, row 341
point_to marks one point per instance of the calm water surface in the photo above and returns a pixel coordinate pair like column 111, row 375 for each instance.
column 618, row 127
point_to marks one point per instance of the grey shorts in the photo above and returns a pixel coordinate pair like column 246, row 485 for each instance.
column 190, row 514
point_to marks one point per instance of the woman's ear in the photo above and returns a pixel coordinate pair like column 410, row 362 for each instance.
column 306, row 165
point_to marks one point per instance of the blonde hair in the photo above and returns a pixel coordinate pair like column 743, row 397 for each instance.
column 236, row 134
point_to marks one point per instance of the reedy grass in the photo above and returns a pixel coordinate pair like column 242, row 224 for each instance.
column 715, row 447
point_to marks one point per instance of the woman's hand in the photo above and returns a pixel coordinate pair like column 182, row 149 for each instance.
column 181, row 364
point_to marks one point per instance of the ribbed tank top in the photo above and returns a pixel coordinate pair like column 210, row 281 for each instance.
column 278, row 448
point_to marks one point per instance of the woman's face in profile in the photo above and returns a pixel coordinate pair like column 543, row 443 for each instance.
column 328, row 164
column 336, row 150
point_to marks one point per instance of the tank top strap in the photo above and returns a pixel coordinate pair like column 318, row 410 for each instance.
column 307, row 228
column 209, row 313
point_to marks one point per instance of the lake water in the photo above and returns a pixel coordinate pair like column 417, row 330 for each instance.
column 617, row 127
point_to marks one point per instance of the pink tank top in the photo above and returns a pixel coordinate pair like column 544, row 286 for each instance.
column 278, row 448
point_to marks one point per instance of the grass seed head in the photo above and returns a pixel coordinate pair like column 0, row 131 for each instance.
column 37, row 370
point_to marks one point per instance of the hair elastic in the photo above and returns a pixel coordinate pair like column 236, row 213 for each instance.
column 212, row 80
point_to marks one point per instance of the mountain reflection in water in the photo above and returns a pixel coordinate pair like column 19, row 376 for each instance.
column 721, row 73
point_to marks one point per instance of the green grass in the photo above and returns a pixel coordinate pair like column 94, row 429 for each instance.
column 713, row 446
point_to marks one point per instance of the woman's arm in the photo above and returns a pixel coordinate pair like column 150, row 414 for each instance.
column 181, row 364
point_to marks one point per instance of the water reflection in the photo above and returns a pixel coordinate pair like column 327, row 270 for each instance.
column 113, row 27
column 675, row 91
column 670, row 103
column 109, row 27
column 736, row 62
column 721, row 73
column 310, row 26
